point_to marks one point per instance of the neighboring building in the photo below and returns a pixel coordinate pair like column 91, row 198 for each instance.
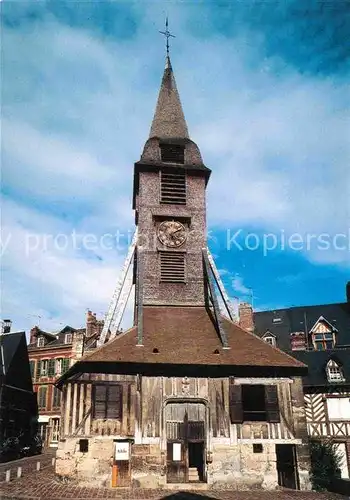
column 50, row 356
column 185, row 395
column 18, row 407
column 319, row 336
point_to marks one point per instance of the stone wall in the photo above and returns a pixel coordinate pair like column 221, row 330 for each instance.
column 238, row 467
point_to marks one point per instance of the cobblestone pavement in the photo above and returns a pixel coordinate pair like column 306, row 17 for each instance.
column 44, row 485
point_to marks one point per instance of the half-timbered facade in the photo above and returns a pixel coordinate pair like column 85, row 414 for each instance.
column 319, row 336
column 186, row 396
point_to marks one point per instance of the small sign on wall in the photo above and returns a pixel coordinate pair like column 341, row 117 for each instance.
column 177, row 451
column 122, row 450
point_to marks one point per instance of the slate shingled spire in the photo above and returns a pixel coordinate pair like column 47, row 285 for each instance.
column 169, row 120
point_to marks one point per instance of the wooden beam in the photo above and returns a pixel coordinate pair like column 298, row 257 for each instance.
column 67, row 409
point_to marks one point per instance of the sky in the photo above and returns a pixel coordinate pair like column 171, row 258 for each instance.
column 264, row 88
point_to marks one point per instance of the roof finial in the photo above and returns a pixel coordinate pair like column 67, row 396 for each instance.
column 167, row 34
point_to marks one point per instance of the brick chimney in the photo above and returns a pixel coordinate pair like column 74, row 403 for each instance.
column 246, row 320
column 33, row 335
column 93, row 325
column 348, row 291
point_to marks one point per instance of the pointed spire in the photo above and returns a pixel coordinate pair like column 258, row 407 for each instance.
column 169, row 120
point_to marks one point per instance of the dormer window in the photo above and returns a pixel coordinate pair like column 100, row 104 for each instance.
column 172, row 153
column 270, row 340
column 68, row 338
column 40, row 342
column 334, row 372
column 323, row 335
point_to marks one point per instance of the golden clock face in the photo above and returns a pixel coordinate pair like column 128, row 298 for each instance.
column 172, row 233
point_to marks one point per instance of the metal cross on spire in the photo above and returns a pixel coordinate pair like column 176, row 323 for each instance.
column 167, row 34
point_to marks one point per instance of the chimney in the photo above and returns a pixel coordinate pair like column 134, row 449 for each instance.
column 246, row 320
column 348, row 291
column 6, row 326
column 93, row 325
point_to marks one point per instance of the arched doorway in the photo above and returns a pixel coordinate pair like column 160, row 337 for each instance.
column 186, row 424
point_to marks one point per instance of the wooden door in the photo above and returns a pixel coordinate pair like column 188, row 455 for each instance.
column 287, row 466
column 185, row 425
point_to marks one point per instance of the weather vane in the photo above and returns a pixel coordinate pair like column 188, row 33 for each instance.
column 167, row 34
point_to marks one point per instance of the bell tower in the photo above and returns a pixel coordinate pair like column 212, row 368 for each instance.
column 170, row 207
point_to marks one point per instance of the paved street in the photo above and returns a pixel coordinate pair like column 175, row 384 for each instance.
column 44, row 485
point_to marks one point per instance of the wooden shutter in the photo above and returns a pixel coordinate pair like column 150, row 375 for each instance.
column 42, row 397
column 100, row 401
column 32, row 368
column 271, row 401
column 38, row 368
column 236, row 407
column 51, row 368
column 115, row 402
column 65, row 364
column 173, row 188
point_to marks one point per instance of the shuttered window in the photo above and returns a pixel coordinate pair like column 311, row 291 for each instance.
column 108, row 401
column 38, row 369
column 56, row 398
column 42, row 393
column 172, row 153
column 51, row 368
column 65, row 364
column 172, row 267
column 173, row 188
column 253, row 403
column 32, row 368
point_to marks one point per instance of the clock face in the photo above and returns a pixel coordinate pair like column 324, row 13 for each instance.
column 172, row 233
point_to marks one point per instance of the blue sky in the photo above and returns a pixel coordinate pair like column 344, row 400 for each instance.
column 264, row 91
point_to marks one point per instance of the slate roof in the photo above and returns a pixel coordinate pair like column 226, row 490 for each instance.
column 186, row 336
column 297, row 319
column 169, row 119
column 15, row 369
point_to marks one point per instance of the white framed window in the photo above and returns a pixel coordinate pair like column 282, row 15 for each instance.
column 40, row 342
column 270, row 340
column 68, row 338
column 58, row 366
column 338, row 408
column 334, row 372
column 44, row 367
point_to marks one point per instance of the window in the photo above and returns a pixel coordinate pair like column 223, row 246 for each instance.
column 68, row 338
column 59, row 366
column 56, row 398
column 253, row 403
column 32, row 368
column 257, row 448
column 253, row 399
column 277, row 320
column 173, row 188
column 51, row 368
column 42, row 396
column 334, row 372
column 172, row 153
column 40, row 342
column 172, row 267
column 270, row 340
column 83, row 445
column 108, row 401
column 44, row 367
column 338, row 408
column 323, row 341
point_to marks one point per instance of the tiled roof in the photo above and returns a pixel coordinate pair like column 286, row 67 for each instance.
column 187, row 336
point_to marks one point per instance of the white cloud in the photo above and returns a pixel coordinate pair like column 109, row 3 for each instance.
column 77, row 111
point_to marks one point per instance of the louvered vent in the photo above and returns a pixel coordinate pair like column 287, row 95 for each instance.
column 173, row 188
column 172, row 267
column 172, row 153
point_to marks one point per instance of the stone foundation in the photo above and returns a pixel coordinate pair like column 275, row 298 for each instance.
column 232, row 466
